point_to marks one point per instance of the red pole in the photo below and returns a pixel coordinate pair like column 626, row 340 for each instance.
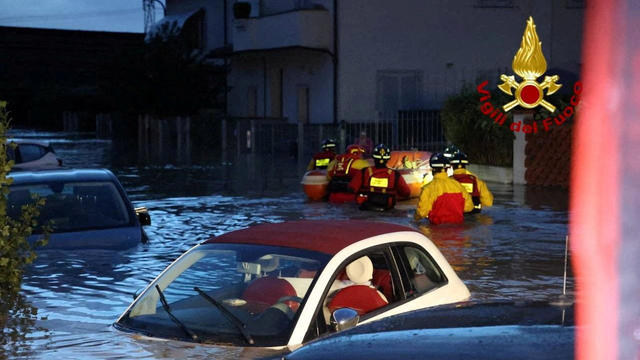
column 605, row 205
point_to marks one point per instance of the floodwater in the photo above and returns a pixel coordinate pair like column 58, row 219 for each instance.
column 514, row 250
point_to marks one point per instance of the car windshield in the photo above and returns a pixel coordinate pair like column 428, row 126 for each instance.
column 228, row 293
column 72, row 206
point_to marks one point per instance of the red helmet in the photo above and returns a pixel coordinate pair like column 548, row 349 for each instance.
column 354, row 149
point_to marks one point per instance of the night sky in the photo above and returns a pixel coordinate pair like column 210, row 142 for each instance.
column 98, row 15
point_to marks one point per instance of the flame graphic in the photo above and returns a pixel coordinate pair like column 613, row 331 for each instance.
column 529, row 61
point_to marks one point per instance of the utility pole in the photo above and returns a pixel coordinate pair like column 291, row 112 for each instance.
column 149, row 8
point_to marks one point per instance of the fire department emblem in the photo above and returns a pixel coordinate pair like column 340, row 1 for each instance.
column 529, row 63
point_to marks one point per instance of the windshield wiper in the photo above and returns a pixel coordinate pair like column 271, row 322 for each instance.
column 231, row 316
column 166, row 308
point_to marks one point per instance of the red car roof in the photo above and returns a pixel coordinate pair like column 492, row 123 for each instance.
column 326, row 236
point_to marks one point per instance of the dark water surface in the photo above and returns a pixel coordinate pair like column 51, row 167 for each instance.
column 514, row 250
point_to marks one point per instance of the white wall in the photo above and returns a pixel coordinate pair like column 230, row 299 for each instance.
column 308, row 28
column 450, row 42
column 301, row 67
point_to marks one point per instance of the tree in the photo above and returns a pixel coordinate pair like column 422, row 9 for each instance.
column 17, row 316
column 164, row 77
column 474, row 133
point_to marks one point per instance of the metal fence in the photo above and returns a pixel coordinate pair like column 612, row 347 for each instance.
column 405, row 130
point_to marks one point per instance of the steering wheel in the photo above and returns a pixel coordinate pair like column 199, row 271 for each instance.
column 289, row 305
column 293, row 302
column 296, row 299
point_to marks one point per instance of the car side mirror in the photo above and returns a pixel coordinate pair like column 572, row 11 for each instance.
column 143, row 215
column 344, row 318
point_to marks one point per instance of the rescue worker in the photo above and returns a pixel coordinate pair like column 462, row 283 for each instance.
column 480, row 194
column 378, row 186
column 443, row 200
column 448, row 153
column 322, row 159
column 340, row 172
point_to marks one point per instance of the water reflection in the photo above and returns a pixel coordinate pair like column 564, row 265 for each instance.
column 513, row 250
column 17, row 321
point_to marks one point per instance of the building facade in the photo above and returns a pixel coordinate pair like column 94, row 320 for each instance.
column 327, row 61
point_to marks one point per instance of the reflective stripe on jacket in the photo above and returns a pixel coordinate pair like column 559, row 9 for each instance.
column 485, row 196
column 469, row 183
column 443, row 200
column 381, row 180
column 321, row 160
column 345, row 165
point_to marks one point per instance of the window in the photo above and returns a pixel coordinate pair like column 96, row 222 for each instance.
column 398, row 90
column 422, row 273
column 73, row 206
column 365, row 284
column 11, row 155
column 261, row 287
column 30, row 152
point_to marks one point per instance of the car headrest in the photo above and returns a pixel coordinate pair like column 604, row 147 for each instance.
column 269, row 263
column 360, row 271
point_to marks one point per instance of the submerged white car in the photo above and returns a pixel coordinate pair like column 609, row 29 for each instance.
column 281, row 285
column 31, row 155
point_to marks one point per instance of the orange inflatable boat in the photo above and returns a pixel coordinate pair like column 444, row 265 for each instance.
column 315, row 183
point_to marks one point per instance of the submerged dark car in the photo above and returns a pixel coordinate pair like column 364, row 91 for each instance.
column 461, row 331
column 85, row 208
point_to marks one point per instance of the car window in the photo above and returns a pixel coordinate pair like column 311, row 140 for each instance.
column 262, row 286
column 365, row 284
column 422, row 273
column 31, row 152
column 11, row 155
column 73, row 206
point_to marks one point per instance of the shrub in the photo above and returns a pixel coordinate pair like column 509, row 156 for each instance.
column 473, row 132
column 15, row 251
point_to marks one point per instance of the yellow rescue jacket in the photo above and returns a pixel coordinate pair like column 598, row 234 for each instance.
column 356, row 164
column 486, row 197
column 448, row 196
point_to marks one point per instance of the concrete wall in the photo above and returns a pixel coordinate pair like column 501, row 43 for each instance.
column 300, row 67
column 448, row 42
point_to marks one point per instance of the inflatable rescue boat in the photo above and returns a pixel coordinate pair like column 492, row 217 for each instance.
column 412, row 165
column 414, row 168
column 315, row 183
